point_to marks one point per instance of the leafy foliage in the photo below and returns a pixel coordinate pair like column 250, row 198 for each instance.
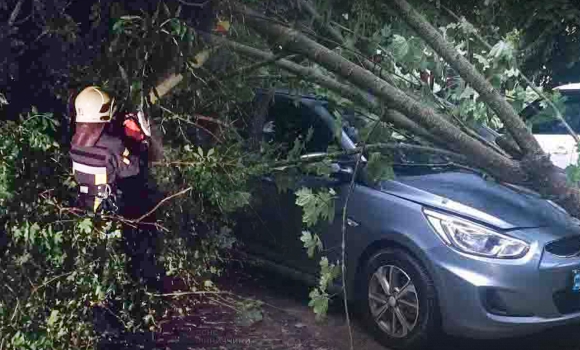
column 319, row 296
column 56, row 268
column 316, row 206
column 380, row 167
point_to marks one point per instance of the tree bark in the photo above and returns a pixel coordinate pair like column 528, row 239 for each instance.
column 261, row 107
column 434, row 123
column 496, row 102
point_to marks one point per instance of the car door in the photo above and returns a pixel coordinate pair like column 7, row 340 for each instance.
column 289, row 121
column 554, row 137
column 560, row 147
column 572, row 116
column 271, row 226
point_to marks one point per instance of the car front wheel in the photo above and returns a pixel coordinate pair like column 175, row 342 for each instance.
column 399, row 300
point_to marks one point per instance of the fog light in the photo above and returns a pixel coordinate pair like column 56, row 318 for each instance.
column 493, row 302
column 496, row 303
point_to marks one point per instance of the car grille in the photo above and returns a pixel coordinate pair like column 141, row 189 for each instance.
column 567, row 302
column 566, row 247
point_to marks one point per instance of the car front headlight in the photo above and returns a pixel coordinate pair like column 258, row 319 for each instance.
column 471, row 238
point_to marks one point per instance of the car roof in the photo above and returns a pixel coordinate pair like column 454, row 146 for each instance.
column 568, row 87
column 293, row 95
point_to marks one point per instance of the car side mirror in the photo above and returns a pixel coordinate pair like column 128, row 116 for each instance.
column 342, row 171
column 338, row 168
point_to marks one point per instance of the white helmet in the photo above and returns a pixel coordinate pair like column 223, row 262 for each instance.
column 93, row 106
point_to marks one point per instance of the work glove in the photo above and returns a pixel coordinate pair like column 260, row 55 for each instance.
column 136, row 126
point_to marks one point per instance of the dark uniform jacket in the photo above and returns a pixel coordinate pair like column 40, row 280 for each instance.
column 98, row 168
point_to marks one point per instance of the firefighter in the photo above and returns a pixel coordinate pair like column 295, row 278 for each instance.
column 109, row 153
column 102, row 151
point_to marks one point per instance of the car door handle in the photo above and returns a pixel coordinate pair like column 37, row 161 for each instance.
column 561, row 150
column 268, row 179
column 350, row 222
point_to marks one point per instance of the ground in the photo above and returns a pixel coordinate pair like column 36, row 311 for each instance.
column 287, row 323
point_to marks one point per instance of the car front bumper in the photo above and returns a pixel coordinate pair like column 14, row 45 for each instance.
column 488, row 298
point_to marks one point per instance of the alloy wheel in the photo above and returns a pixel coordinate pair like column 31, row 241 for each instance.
column 393, row 301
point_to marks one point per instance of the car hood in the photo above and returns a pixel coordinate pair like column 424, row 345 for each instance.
column 471, row 196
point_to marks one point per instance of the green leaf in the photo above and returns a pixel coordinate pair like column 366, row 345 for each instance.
column 467, row 93
column 386, row 31
column 118, row 26
column 323, row 168
column 284, row 181
column 53, row 318
column 3, row 100
column 337, row 124
column 311, row 243
column 380, row 167
column 318, row 303
column 502, row 51
column 512, row 72
column 85, row 226
column 328, row 273
column 244, row 94
column 573, row 174
column 296, row 150
column 399, row 47
column 315, row 206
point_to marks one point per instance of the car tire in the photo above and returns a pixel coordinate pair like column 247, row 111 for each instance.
column 413, row 327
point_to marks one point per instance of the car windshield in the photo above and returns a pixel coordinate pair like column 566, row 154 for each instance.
column 357, row 125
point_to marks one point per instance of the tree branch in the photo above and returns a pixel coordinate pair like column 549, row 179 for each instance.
column 401, row 120
column 398, row 119
column 15, row 13
column 181, row 294
column 339, row 39
column 332, row 31
column 180, row 193
column 432, row 121
column 372, row 147
column 553, row 106
column 526, row 79
column 498, row 104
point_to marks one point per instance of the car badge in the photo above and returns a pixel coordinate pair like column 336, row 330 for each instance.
column 576, row 281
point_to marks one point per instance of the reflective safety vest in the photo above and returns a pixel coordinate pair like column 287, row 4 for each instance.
column 97, row 169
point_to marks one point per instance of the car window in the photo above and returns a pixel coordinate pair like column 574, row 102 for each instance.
column 288, row 121
column 570, row 112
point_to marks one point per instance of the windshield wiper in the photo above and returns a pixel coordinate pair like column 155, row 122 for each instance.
column 443, row 167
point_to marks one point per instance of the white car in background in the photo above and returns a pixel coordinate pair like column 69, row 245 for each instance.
column 552, row 135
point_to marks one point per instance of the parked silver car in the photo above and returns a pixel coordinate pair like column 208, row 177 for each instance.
column 438, row 248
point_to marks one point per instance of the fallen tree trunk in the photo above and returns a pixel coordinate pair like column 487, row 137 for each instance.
column 396, row 99
column 543, row 176
column 399, row 120
column 467, row 71
column 535, row 171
